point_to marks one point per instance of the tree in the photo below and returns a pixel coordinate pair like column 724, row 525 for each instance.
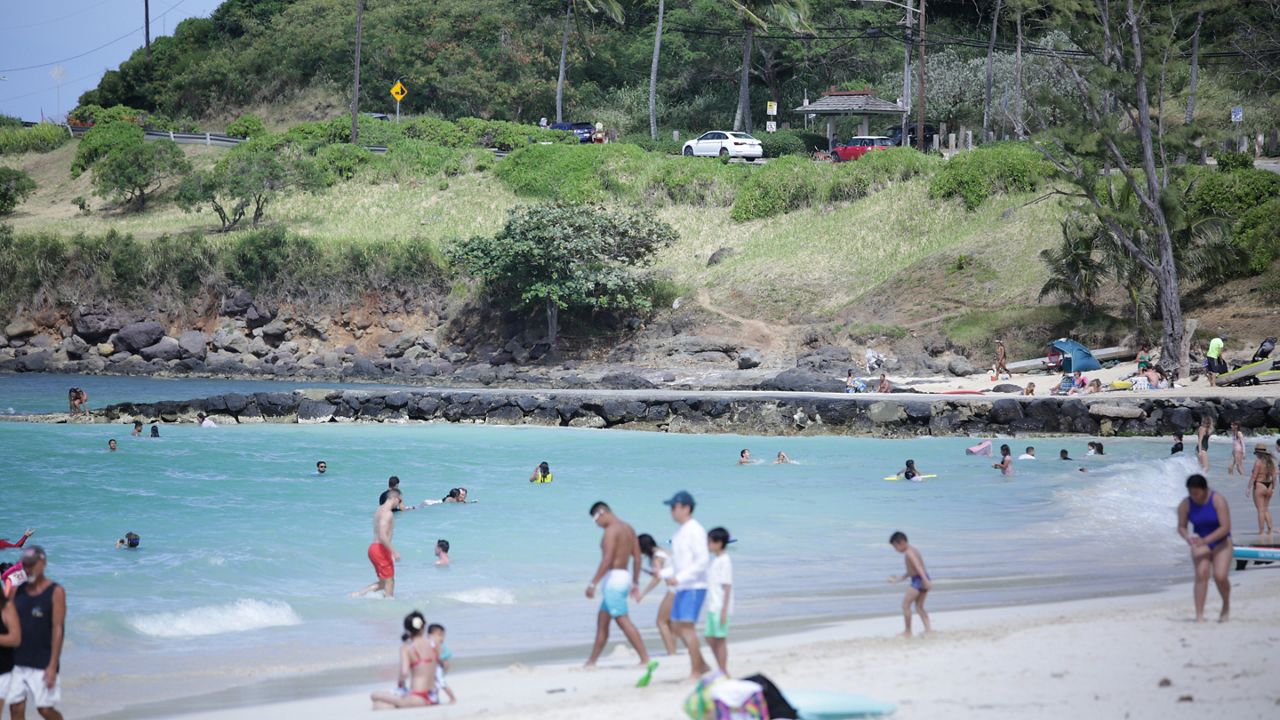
column 653, row 73
column 133, row 172
column 612, row 9
column 567, row 257
column 757, row 15
column 1074, row 273
column 15, row 187
column 1122, row 145
column 251, row 175
column 986, row 97
column 355, row 90
column 247, row 125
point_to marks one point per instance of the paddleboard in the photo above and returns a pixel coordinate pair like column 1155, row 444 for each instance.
column 1257, row 553
column 922, row 477
column 1269, row 376
column 828, row 705
column 960, row 392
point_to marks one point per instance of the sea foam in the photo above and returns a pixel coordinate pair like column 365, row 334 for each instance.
column 240, row 616
column 483, row 596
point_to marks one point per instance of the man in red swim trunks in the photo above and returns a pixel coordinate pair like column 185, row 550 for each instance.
column 381, row 553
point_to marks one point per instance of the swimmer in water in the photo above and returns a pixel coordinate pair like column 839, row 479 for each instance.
column 442, row 553
column 782, row 459
column 1005, row 466
column 744, row 457
column 111, row 445
column 155, row 430
column 541, row 474
column 920, row 583
column 1203, row 433
column 910, row 472
column 321, row 467
column 21, row 541
column 1064, row 455
column 137, row 429
column 130, row 541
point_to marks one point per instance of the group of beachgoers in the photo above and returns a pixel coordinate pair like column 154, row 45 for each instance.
column 33, row 611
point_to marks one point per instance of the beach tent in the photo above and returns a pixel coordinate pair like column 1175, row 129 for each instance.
column 1075, row 356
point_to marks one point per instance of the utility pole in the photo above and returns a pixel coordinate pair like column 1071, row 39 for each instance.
column 146, row 26
column 906, row 70
column 355, row 91
column 920, row 83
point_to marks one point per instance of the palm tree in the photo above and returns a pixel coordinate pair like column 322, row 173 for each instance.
column 1073, row 271
column 653, row 73
column 756, row 15
column 611, row 8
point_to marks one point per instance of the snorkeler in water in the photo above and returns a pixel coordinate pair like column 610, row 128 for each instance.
column 910, row 472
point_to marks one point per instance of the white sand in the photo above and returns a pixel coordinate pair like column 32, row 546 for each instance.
column 1103, row 658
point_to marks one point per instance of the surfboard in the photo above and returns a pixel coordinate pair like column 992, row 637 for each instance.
column 960, row 392
column 922, row 477
column 1257, row 553
column 829, row 705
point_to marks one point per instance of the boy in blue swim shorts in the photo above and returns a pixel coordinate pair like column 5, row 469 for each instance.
column 920, row 584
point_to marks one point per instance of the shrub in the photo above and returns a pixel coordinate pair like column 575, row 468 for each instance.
column 1229, row 195
column 341, row 161
column 97, row 115
column 694, row 181
column 781, row 186
column 9, row 122
column 260, row 258
column 976, row 175
column 247, row 126
column 572, row 173
column 1257, row 233
column 101, row 140
column 503, row 135
column 373, row 132
column 435, row 131
column 133, row 172
column 82, row 204
column 897, row 164
column 664, row 143
column 15, row 187
column 39, row 138
column 1269, row 287
column 1232, row 161
column 846, row 182
column 782, row 143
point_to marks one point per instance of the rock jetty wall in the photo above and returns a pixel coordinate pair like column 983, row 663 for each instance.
column 776, row 413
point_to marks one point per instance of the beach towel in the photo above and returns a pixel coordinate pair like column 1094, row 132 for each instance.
column 779, row 708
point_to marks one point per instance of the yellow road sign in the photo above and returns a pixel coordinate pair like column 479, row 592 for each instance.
column 398, row 91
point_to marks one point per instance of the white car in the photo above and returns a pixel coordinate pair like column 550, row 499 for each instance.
column 723, row 143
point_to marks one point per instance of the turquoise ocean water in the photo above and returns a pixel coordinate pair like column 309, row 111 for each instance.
column 248, row 556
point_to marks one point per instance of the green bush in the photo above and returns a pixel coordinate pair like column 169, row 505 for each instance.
column 247, row 126
column 10, row 122
column 1257, row 233
column 1229, row 195
column 897, row 164
column 260, row 258
column 574, row 173
column 504, row 135
column 694, row 181
column 1232, row 161
column 435, row 131
column 341, row 161
column 96, row 115
column 101, row 140
column 976, row 175
column 783, row 185
column 15, row 187
column 846, row 182
column 664, row 143
column 40, row 138
column 373, row 132
column 782, row 143
column 1269, row 287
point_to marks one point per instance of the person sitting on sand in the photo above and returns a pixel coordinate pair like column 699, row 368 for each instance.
column 909, row 472
column 920, row 583
column 885, row 386
column 418, row 662
column 442, row 553
column 782, row 459
column 849, row 381
column 1144, row 357
column 1262, row 485
column 1005, row 466
column 744, row 457
column 1080, row 385
column 1030, row 454
column 1029, row 390
column 435, row 631
column 1210, row 541
column 541, row 474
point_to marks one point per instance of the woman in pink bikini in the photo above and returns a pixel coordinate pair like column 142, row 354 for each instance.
column 418, row 661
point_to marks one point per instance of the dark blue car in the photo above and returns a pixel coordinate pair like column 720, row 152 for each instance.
column 583, row 130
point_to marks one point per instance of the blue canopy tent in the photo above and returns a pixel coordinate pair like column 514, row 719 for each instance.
column 1075, row 356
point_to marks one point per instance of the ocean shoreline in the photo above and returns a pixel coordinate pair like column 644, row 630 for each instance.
column 860, row 655
column 772, row 413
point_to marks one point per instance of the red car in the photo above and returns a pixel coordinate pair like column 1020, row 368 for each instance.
column 859, row 146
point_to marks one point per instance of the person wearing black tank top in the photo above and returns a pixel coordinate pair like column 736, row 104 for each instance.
column 41, row 606
column 10, row 638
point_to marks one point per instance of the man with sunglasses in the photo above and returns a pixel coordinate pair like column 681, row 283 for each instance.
column 42, row 613
column 619, row 570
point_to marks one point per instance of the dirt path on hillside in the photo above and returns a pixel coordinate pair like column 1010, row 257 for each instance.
column 767, row 336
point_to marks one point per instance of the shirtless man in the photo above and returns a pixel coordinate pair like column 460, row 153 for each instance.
column 620, row 570
column 1001, row 368
column 381, row 553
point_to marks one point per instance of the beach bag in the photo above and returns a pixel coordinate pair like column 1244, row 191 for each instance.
column 775, row 701
column 739, row 700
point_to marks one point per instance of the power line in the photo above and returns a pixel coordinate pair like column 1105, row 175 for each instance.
column 90, row 52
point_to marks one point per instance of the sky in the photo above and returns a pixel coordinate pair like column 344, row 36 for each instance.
column 51, row 34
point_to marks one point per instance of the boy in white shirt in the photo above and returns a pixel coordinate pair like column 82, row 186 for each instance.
column 719, row 596
column 690, row 559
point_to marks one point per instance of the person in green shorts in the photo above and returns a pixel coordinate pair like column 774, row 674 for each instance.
column 719, row 596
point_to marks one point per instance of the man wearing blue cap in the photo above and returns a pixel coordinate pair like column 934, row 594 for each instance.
column 690, row 559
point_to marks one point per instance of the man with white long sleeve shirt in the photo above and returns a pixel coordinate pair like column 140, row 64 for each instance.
column 690, row 559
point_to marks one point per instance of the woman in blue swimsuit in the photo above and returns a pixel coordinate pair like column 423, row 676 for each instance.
column 1210, row 541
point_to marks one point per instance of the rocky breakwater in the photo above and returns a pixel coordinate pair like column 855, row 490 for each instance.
column 758, row 412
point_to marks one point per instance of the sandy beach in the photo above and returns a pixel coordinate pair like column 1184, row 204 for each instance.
column 1121, row 657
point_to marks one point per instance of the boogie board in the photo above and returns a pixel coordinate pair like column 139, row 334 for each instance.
column 1257, row 553
column 829, row 705
column 922, row 477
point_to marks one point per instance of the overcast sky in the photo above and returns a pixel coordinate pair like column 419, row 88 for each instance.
column 51, row 34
